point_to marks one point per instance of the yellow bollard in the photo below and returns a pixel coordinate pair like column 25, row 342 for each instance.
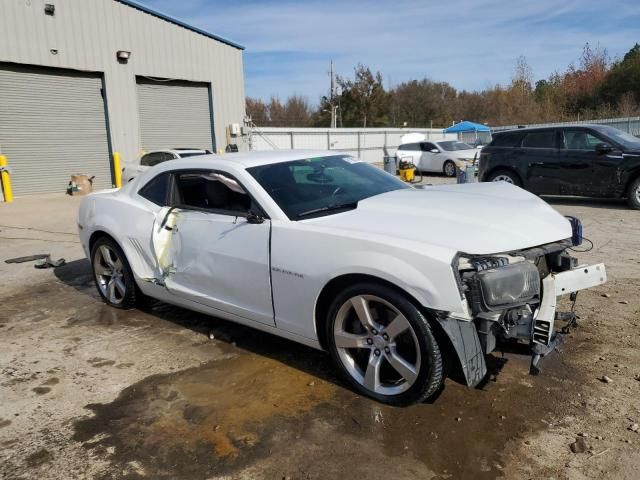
column 5, row 180
column 117, row 170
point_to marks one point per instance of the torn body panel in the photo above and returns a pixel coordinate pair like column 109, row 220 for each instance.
column 217, row 260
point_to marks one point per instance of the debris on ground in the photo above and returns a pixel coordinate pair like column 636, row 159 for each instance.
column 605, row 379
column 579, row 446
column 47, row 262
column 28, row 258
column 634, row 427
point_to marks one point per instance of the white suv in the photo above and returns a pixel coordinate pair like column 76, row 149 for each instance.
column 155, row 157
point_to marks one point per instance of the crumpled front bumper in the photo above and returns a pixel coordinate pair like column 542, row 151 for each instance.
column 464, row 334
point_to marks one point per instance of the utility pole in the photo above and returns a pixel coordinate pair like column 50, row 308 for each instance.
column 331, row 95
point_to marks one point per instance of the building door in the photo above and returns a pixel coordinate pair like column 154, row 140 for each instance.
column 52, row 125
column 174, row 114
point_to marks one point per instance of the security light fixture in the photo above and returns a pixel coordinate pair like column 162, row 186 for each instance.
column 49, row 9
column 123, row 56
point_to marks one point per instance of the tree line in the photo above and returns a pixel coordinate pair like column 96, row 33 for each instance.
column 594, row 87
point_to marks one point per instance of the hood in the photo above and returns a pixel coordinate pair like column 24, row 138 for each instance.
column 464, row 153
column 474, row 218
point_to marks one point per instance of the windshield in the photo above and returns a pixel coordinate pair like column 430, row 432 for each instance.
column 320, row 186
column 625, row 139
column 452, row 146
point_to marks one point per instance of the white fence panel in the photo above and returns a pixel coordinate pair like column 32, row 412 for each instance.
column 366, row 143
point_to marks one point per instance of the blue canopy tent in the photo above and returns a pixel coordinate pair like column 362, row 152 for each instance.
column 467, row 131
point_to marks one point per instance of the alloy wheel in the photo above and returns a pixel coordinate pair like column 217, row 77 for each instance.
column 449, row 169
column 503, row 178
column 377, row 345
column 108, row 270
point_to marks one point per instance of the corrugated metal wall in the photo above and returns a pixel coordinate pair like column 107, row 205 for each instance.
column 366, row 143
column 174, row 115
column 52, row 124
column 86, row 34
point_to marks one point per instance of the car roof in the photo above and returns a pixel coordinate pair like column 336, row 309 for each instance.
column 593, row 126
column 254, row 159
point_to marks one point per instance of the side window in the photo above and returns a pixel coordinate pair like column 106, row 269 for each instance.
column 507, row 140
column 145, row 160
column 427, row 146
column 540, row 140
column 211, row 191
column 580, row 140
column 168, row 156
column 157, row 189
column 151, row 159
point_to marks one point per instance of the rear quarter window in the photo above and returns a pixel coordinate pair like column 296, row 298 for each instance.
column 507, row 140
column 157, row 190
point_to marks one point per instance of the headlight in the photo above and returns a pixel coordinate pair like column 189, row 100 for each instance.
column 505, row 287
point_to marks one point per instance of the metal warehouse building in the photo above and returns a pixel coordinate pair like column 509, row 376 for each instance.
column 82, row 79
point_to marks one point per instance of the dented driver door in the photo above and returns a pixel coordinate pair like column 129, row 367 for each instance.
column 221, row 261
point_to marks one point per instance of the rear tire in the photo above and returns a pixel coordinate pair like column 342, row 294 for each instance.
column 633, row 194
column 505, row 176
column 449, row 168
column 394, row 358
column 113, row 275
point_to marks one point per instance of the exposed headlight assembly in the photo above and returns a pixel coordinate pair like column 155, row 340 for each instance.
column 504, row 287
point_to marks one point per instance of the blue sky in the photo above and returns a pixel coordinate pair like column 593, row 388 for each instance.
column 470, row 44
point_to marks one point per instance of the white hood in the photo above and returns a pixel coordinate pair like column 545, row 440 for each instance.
column 475, row 218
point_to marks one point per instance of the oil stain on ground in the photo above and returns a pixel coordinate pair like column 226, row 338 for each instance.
column 203, row 420
column 252, row 409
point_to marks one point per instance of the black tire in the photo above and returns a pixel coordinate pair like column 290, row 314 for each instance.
column 430, row 376
column 515, row 179
column 131, row 295
column 633, row 194
column 449, row 168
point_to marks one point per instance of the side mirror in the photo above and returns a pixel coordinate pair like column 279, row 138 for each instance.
column 254, row 218
column 602, row 148
column 434, row 150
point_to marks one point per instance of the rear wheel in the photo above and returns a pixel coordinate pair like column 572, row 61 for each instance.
column 633, row 194
column 112, row 274
column 383, row 345
column 449, row 168
column 505, row 176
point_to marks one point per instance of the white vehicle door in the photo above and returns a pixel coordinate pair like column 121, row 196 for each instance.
column 430, row 159
column 217, row 250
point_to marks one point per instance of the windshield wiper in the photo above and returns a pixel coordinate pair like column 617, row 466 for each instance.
column 328, row 208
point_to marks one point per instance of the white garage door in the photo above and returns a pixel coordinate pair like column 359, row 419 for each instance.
column 52, row 125
column 174, row 114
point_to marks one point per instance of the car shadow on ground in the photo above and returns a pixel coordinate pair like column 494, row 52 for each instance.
column 78, row 274
column 606, row 203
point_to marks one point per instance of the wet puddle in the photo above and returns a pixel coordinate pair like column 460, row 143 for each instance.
column 266, row 399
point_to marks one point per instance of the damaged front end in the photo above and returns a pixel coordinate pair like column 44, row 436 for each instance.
column 512, row 296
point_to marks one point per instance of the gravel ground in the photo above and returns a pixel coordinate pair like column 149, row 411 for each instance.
column 92, row 392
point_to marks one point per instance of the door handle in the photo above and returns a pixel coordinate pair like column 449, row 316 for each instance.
column 537, row 164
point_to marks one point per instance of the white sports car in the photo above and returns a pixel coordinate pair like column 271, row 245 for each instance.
column 438, row 156
column 393, row 281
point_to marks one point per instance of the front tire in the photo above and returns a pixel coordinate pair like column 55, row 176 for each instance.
column 383, row 345
column 505, row 176
column 449, row 168
column 633, row 194
column 112, row 274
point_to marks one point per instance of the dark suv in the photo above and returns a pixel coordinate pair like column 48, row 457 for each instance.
column 586, row 160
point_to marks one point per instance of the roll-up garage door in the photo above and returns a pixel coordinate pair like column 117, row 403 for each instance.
column 174, row 114
column 52, row 125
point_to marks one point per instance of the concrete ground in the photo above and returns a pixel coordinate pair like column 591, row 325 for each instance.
column 88, row 391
